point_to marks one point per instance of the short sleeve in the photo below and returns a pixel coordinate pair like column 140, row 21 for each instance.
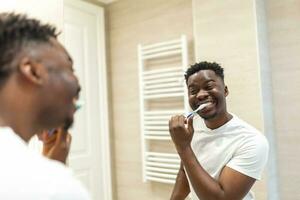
column 251, row 156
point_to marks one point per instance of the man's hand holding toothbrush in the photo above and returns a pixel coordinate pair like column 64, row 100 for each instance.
column 57, row 145
column 57, row 141
column 181, row 129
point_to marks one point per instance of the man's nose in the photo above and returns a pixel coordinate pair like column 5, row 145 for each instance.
column 78, row 86
column 202, row 95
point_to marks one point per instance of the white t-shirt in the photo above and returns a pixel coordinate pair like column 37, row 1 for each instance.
column 236, row 144
column 27, row 175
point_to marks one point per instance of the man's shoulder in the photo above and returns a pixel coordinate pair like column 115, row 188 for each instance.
column 251, row 136
column 244, row 126
column 39, row 177
column 51, row 170
column 57, row 168
column 61, row 178
column 248, row 133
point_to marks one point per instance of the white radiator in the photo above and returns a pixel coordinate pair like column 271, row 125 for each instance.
column 158, row 84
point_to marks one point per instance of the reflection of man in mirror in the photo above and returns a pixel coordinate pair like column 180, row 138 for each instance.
column 221, row 155
column 37, row 92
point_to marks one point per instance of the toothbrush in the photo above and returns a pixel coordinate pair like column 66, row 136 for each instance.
column 195, row 111
column 78, row 105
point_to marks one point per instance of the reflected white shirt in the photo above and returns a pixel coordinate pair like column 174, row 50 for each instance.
column 25, row 174
column 236, row 144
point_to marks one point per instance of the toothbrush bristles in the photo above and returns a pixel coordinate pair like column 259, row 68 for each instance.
column 195, row 111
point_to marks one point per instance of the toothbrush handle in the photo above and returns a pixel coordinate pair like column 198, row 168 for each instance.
column 190, row 115
column 51, row 132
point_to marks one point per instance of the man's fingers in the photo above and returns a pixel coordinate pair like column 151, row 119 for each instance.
column 47, row 138
column 181, row 120
column 172, row 122
column 69, row 140
column 190, row 125
column 61, row 135
column 177, row 123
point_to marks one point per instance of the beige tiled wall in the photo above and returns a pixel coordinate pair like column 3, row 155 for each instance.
column 131, row 22
column 284, row 47
column 226, row 32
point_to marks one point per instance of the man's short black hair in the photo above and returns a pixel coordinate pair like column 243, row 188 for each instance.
column 16, row 32
column 204, row 66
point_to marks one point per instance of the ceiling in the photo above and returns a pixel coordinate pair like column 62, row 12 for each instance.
column 106, row 1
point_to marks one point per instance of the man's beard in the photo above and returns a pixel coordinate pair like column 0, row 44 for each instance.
column 68, row 123
column 209, row 116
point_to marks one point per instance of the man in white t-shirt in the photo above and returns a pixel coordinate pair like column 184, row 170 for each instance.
column 37, row 93
column 221, row 155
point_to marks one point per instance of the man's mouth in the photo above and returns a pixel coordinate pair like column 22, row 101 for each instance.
column 207, row 104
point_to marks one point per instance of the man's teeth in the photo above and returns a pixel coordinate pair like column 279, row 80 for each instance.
column 202, row 106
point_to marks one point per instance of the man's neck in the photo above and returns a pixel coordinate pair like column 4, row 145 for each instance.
column 218, row 122
column 19, row 128
column 15, row 112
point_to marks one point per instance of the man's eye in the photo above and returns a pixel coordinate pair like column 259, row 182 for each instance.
column 193, row 92
column 209, row 87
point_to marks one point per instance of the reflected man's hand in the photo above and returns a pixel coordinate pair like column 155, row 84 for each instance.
column 181, row 131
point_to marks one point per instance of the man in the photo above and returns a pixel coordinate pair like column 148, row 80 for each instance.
column 37, row 93
column 221, row 155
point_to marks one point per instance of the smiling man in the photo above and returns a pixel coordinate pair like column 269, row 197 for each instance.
column 37, row 92
column 221, row 155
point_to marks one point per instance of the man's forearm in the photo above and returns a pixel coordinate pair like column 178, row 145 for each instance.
column 203, row 184
column 181, row 187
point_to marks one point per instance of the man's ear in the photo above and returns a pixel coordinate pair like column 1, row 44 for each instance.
column 31, row 71
column 226, row 91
